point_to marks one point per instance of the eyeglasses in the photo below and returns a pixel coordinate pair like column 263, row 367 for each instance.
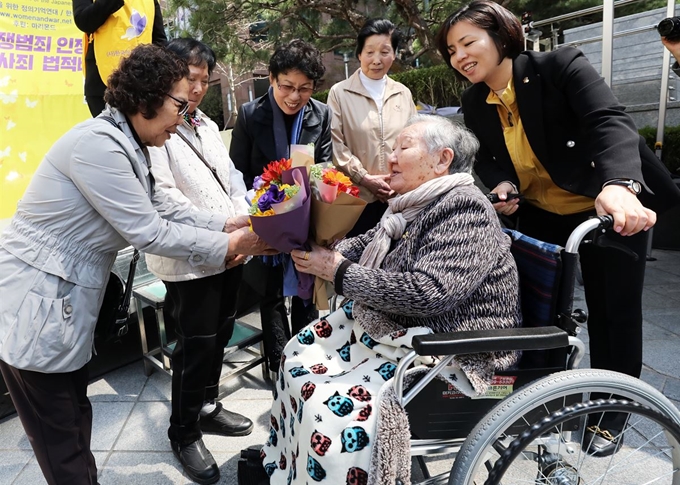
column 286, row 89
column 183, row 107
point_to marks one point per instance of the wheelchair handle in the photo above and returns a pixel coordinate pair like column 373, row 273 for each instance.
column 596, row 223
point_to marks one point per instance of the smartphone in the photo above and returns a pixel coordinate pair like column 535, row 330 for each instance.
column 493, row 197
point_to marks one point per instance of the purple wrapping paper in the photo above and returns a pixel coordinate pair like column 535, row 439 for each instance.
column 288, row 231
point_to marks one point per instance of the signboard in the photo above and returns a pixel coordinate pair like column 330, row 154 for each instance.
column 41, row 88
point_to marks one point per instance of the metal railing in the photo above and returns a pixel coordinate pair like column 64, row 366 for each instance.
column 608, row 34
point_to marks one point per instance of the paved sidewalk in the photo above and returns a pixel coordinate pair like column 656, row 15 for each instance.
column 131, row 411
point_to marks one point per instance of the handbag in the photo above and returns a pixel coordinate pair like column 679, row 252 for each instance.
column 112, row 322
column 250, row 470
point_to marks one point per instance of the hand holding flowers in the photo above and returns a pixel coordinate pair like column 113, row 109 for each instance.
column 236, row 222
column 320, row 261
column 245, row 241
column 336, row 207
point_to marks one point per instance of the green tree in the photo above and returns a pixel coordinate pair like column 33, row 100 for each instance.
column 244, row 33
column 331, row 24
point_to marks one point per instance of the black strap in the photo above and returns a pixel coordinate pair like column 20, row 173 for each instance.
column 213, row 170
column 124, row 306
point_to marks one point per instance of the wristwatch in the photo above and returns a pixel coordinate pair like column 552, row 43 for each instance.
column 633, row 185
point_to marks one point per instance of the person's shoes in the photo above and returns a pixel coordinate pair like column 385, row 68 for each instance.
column 601, row 442
column 197, row 462
column 226, row 423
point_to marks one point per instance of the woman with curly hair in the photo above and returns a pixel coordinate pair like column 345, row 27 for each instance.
column 265, row 128
column 92, row 195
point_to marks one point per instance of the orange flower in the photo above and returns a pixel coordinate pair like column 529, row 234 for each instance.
column 334, row 177
column 273, row 171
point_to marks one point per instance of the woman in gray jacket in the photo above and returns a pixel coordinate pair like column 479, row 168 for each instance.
column 92, row 195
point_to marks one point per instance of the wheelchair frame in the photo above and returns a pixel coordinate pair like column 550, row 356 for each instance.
column 569, row 385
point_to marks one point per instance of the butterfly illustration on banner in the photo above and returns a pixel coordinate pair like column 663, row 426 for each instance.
column 137, row 26
column 9, row 98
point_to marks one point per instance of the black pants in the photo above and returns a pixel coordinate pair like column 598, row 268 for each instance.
column 369, row 218
column 203, row 313
column 613, row 284
column 57, row 418
column 275, row 330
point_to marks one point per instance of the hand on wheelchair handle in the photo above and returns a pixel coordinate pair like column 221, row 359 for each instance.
column 630, row 216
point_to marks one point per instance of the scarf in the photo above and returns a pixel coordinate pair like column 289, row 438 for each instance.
column 402, row 210
column 192, row 119
column 280, row 135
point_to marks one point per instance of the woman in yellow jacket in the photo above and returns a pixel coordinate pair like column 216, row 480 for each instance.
column 369, row 110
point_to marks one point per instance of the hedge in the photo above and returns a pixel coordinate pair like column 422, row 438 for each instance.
column 436, row 86
column 670, row 155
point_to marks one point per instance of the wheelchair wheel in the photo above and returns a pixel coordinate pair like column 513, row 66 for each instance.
column 643, row 456
column 555, row 458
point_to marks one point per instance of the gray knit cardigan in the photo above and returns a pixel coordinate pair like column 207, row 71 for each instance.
column 452, row 270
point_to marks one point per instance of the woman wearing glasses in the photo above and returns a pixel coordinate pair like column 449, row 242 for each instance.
column 265, row 128
column 369, row 110
column 92, row 195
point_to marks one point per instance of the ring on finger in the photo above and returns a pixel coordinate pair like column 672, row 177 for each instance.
column 306, row 256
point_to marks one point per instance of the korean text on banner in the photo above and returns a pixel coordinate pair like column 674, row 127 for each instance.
column 41, row 88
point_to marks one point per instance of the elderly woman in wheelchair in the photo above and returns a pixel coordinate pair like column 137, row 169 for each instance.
column 422, row 357
column 437, row 262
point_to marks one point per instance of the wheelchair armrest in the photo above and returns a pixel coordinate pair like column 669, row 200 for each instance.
column 476, row 341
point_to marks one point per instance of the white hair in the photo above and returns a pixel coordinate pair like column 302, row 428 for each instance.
column 439, row 132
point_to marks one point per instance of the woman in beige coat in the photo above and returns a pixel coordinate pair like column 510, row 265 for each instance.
column 369, row 111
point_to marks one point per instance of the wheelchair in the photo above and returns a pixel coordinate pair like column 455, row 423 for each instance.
column 530, row 427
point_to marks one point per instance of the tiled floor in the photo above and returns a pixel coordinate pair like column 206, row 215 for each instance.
column 131, row 410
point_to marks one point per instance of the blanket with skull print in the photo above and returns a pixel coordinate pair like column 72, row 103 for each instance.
column 325, row 410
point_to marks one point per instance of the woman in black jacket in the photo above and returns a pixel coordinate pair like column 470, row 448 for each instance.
column 551, row 129
column 265, row 128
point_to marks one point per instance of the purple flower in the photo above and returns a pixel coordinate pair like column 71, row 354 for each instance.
column 271, row 196
column 258, row 183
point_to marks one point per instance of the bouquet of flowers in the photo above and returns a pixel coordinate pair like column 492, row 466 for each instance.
column 327, row 182
column 280, row 211
column 336, row 207
column 272, row 195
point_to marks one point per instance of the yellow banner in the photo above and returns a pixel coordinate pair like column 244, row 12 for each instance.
column 41, row 88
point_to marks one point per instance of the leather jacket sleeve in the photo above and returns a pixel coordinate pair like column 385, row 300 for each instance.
column 158, row 33
column 89, row 15
column 241, row 147
column 324, row 149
